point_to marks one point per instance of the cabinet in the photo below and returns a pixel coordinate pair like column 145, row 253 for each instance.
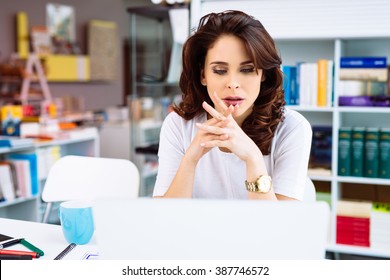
column 83, row 142
column 308, row 31
column 154, row 76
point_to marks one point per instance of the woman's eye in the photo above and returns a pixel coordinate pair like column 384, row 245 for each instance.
column 219, row 71
column 248, row 70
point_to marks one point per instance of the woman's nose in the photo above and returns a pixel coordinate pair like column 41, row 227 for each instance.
column 232, row 84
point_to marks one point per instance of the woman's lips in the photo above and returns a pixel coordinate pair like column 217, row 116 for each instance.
column 233, row 101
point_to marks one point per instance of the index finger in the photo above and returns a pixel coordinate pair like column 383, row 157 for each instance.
column 214, row 113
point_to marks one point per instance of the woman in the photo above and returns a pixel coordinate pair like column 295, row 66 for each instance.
column 231, row 133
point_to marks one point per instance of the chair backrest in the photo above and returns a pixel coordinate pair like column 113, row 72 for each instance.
column 89, row 178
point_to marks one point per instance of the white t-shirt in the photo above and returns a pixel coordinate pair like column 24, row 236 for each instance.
column 222, row 175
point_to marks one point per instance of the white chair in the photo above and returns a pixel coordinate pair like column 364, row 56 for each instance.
column 89, row 178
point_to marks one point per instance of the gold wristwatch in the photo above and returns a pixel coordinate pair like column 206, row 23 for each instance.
column 263, row 184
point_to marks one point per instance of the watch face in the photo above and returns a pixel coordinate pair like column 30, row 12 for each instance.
column 265, row 184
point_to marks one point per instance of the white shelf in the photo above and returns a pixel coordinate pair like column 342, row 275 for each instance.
column 363, row 180
column 363, row 110
column 84, row 142
column 311, row 109
column 17, row 201
column 358, row 250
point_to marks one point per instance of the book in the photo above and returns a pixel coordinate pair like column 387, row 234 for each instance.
column 365, row 101
column 380, row 226
column 308, row 84
column 23, row 177
column 322, row 84
column 344, row 151
column 321, row 147
column 330, row 84
column 357, row 152
column 371, row 154
column 364, row 74
column 32, row 158
column 15, row 142
column 289, row 84
column 384, row 153
column 297, row 97
column 7, row 182
column 354, row 208
column 363, row 62
column 361, row 88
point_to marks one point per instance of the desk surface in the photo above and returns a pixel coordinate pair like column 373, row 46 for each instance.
column 49, row 238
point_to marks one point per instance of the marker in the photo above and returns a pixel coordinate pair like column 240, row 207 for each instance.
column 10, row 243
column 28, row 245
column 19, row 253
column 15, row 257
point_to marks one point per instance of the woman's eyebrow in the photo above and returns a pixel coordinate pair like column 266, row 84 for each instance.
column 225, row 63
column 219, row 63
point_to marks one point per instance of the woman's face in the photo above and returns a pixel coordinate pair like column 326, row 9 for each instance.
column 230, row 73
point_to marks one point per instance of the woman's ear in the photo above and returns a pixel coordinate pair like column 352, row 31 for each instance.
column 202, row 78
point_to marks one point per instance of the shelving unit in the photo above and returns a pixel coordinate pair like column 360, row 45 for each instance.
column 151, row 50
column 312, row 30
column 30, row 209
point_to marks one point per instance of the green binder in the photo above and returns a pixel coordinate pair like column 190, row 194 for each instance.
column 384, row 153
column 344, row 157
column 357, row 153
column 371, row 158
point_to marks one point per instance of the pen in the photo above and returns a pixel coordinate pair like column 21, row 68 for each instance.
column 15, row 257
column 11, row 242
column 28, row 245
column 20, row 253
column 65, row 251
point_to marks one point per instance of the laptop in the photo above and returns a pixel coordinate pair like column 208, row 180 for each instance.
column 210, row 229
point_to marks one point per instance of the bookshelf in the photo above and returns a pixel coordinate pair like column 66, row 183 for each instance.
column 153, row 59
column 84, row 142
column 312, row 30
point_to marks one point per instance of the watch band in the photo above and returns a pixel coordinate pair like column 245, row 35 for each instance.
column 263, row 184
column 252, row 186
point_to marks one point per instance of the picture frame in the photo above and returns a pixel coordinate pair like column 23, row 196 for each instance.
column 60, row 21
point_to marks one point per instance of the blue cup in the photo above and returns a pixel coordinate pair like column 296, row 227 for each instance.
column 76, row 221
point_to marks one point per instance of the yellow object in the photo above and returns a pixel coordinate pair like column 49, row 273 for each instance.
column 11, row 116
column 67, row 68
column 322, row 82
column 22, row 34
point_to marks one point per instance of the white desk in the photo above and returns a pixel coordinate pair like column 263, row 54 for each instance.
column 49, row 238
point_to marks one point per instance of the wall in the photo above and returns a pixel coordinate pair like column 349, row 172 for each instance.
column 97, row 94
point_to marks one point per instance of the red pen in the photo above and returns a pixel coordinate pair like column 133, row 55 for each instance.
column 19, row 253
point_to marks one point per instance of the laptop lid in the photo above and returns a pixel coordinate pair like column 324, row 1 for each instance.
column 146, row 228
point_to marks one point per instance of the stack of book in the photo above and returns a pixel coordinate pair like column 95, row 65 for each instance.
column 18, row 176
column 363, row 81
column 309, row 83
column 353, row 223
column 364, row 152
column 380, row 226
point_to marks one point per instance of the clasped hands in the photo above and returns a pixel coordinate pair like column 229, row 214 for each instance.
column 221, row 130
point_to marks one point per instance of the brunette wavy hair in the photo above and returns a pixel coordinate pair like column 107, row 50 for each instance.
column 268, row 110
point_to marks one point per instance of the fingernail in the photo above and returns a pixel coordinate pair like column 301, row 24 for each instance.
column 202, row 144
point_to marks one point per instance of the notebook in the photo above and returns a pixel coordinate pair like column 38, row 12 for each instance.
column 209, row 229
